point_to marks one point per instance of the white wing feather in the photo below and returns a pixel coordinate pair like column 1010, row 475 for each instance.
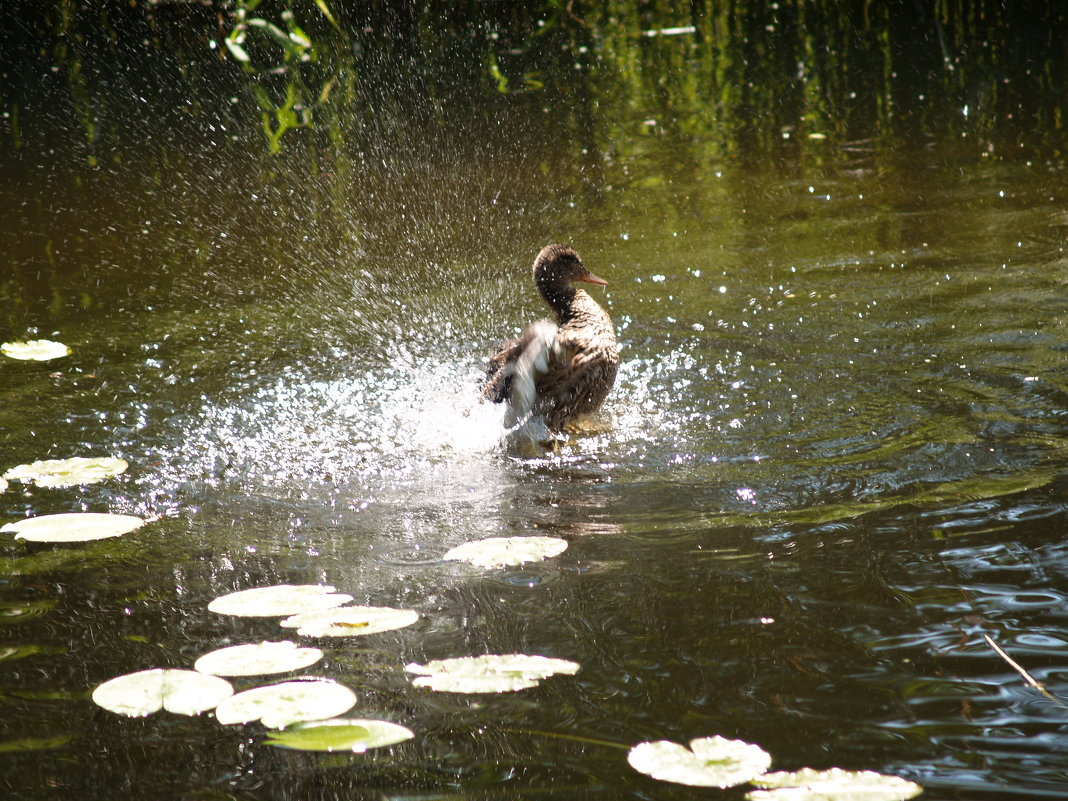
column 532, row 363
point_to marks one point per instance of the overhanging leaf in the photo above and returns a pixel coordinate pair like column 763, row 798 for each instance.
column 326, row 12
column 236, row 50
column 708, row 762
column 276, row 33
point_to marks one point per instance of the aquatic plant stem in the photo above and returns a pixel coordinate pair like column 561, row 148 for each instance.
column 576, row 738
column 1027, row 677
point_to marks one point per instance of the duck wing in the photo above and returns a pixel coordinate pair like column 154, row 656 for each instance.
column 582, row 375
column 514, row 372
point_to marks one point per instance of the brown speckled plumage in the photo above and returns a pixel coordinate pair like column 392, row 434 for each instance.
column 563, row 371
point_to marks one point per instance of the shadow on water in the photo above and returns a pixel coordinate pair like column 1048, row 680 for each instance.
column 835, row 458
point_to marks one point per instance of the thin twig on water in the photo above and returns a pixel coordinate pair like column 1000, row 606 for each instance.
column 1031, row 680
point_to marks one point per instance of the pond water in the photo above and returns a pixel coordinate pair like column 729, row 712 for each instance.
column 835, row 458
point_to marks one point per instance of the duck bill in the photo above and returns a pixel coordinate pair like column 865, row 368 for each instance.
column 590, row 278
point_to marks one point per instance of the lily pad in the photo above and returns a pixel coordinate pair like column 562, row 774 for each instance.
column 281, row 705
column 279, row 600
column 350, row 621
column 185, row 692
column 257, row 659
column 708, row 762
column 832, row 785
column 73, row 527
column 492, row 673
column 507, row 551
column 340, row 734
column 69, row 472
column 35, row 350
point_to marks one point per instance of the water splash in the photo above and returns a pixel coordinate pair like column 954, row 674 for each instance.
column 370, row 429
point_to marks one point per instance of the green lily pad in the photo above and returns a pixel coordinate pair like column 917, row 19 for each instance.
column 35, row 350
column 279, row 600
column 832, row 785
column 340, row 734
column 507, row 551
column 281, row 705
column 69, row 472
column 708, row 762
column 257, row 659
column 184, row 692
column 73, row 527
column 492, row 673
column 350, row 621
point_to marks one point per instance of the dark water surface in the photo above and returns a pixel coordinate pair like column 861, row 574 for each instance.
column 836, row 457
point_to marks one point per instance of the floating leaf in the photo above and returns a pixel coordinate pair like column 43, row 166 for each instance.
column 506, row 551
column 257, row 659
column 73, row 527
column 341, row 734
column 17, row 611
column 185, row 692
column 35, row 350
column 708, row 762
column 492, row 673
column 280, row 705
column 10, row 652
column 34, row 743
column 69, row 472
column 350, row 621
column 832, row 785
column 279, row 600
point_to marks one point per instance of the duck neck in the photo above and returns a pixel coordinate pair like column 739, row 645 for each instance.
column 560, row 296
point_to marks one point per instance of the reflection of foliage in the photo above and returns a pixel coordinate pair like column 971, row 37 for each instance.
column 736, row 74
column 530, row 79
column 748, row 77
column 354, row 94
column 284, row 53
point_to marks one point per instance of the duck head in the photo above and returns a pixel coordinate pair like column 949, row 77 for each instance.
column 555, row 269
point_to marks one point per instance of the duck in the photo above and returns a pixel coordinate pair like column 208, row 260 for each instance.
column 559, row 370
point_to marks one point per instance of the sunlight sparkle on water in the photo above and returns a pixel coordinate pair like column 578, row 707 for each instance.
column 368, row 427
